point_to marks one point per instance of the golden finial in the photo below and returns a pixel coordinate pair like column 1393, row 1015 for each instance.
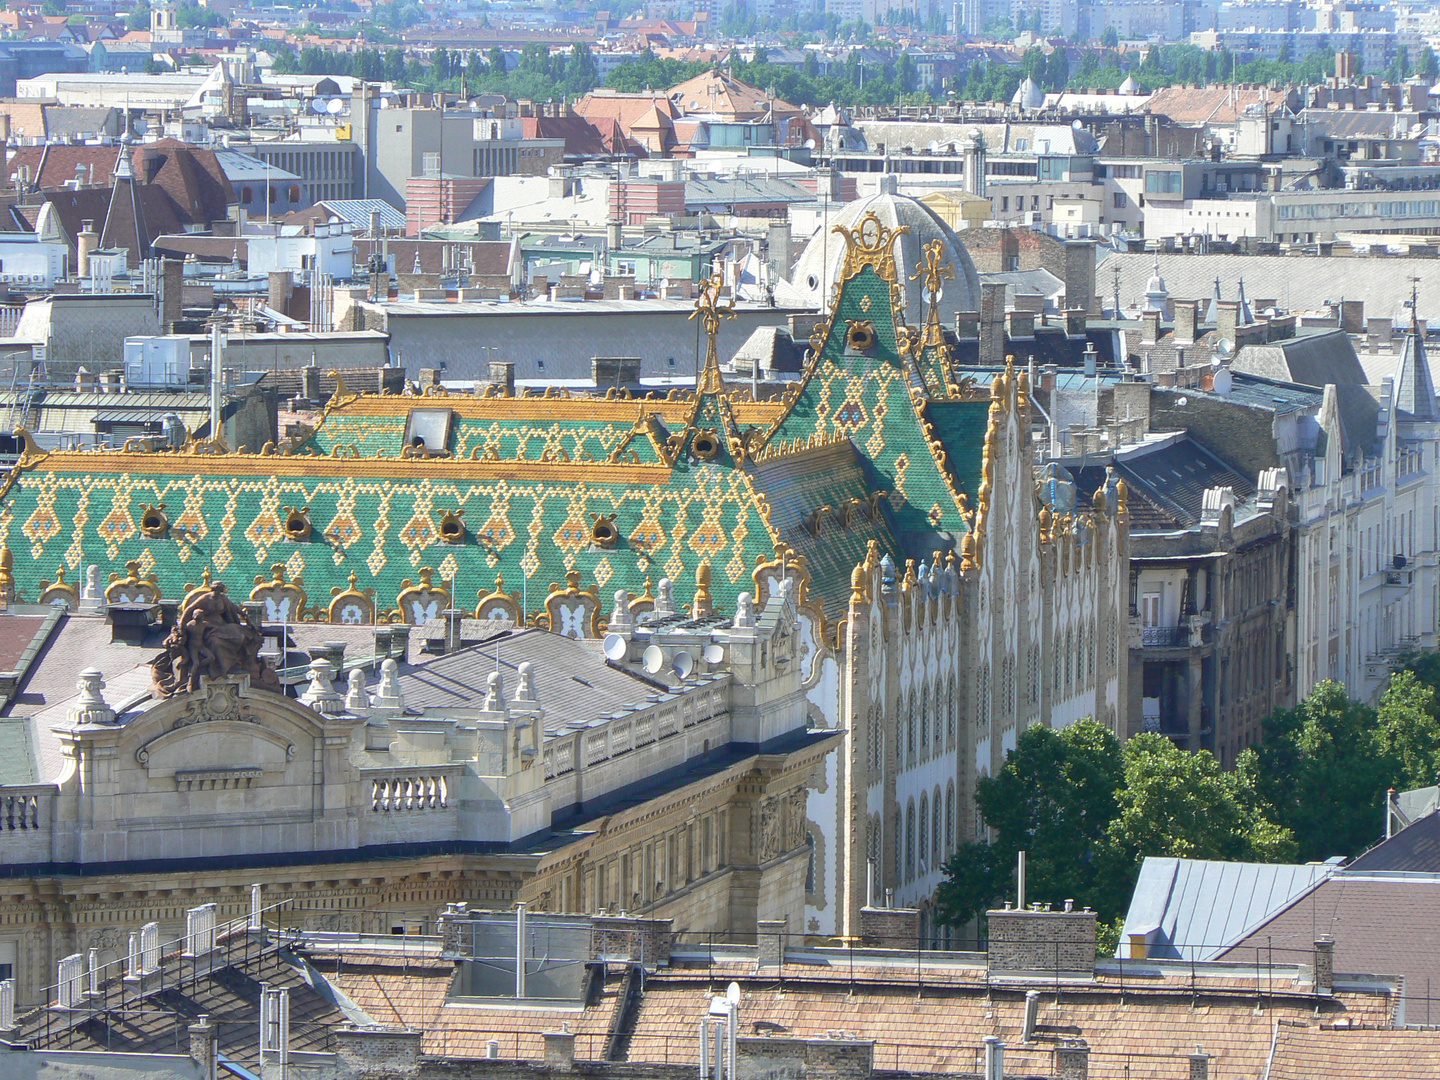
column 932, row 270
column 702, row 605
column 967, row 552
column 1098, row 500
column 710, row 311
column 857, row 584
column 909, row 579
column 1122, row 495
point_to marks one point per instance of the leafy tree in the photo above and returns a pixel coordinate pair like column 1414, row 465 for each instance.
column 1054, row 798
column 1409, row 732
column 906, row 77
column 394, row 65
column 56, row 7
column 497, row 60
column 139, row 17
column 1183, row 805
column 582, row 74
column 193, row 15
column 1321, row 768
column 1110, row 37
column 1427, row 66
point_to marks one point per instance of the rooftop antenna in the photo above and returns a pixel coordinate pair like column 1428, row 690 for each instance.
column 1117, row 292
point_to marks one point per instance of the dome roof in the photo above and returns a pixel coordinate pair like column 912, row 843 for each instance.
column 812, row 283
column 1028, row 95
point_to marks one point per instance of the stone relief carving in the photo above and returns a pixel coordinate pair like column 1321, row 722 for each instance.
column 212, row 639
column 769, row 828
column 795, row 820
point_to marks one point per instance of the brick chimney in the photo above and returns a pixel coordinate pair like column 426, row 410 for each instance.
column 1072, row 1060
column 1037, row 942
column 992, row 324
column 890, row 928
column 1227, row 319
column 1185, row 322
column 1149, row 327
column 1324, row 964
column 770, row 936
column 1199, row 1065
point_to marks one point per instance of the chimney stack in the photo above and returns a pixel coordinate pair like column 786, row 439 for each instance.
column 1149, row 327
column 1324, row 964
column 1227, row 320
column 1185, row 322
column 992, row 324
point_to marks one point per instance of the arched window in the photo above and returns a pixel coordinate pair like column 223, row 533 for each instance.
column 910, row 841
column 950, row 708
column 294, row 193
column 910, row 731
column 936, row 825
column 274, row 195
column 925, row 722
column 950, row 818
column 924, row 835
column 247, row 195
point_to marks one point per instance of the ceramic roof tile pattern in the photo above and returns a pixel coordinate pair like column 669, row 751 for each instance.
column 530, row 475
column 864, row 394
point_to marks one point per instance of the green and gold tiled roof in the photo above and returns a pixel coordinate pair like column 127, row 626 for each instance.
column 623, row 491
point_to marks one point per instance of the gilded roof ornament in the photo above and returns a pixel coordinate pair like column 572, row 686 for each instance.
column 871, row 243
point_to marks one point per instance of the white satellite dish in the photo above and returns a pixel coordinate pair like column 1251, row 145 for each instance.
column 337, row 106
column 714, row 654
column 1225, row 348
column 809, row 144
column 1182, row 401
column 683, row 665
column 616, row 647
column 732, row 993
column 317, row 105
column 653, row 659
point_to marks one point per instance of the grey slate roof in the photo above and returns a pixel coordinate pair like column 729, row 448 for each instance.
column 1310, row 359
column 1414, row 849
column 1195, row 908
column 1414, row 390
column 572, row 679
column 1382, row 925
column 1296, row 283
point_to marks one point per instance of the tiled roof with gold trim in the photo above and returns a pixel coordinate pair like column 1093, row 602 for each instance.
column 452, row 489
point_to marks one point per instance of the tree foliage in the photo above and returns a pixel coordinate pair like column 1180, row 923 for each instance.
column 1088, row 810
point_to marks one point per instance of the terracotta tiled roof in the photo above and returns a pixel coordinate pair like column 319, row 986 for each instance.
column 624, row 108
column 728, row 97
column 1303, row 1054
column 1207, row 104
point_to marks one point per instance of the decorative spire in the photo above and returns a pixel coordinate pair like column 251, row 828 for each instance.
column 710, row 312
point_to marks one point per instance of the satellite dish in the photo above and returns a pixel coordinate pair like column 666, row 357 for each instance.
column 384, row 103
column 809, row 144
column 317, row 105
column 653, row 659
column 1224, row 348
column 732, row 993
column 683, row 665
column 616, row 647
column 714, row 654
column 336, row 106
column 1182, row 401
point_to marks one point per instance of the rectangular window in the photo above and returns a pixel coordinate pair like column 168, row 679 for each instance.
column 1004, row 203
column 1166, row 182
column 1119, row 200
column 1150, row 609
